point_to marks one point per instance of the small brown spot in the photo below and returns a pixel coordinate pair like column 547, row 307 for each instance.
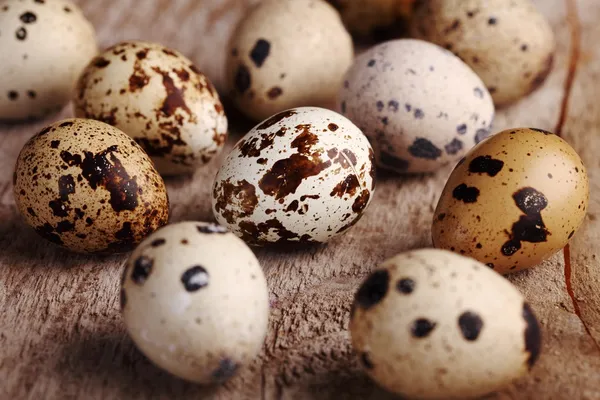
column 332, row 127
column 28, row 17
column 175, row 99
column 361, row 201
column 169, row 52
column 243, row 80
column 305, row 140
column 183, row 75
column 100, row 62
column 275, row 119
column 21, row 33
column 235, row 201
column 274, row 92
column 347, row 186
column 286, row 175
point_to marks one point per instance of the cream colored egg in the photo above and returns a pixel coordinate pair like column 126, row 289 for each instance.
column 159, row 98
column 195, row 301
column 287, row 53
column 421, row 106
column 302, row 176
column 44, row 46
column 508, row 43
column 431, row 324
column 87, row 186
column 515, row 200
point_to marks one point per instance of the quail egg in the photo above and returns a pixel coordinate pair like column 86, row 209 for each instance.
column 44, row 46
column 304, row 175
column 431, row 324
column 515, row 200
column 87, row 186
column 287, row 53
column 195, row 301
column 420, row 106
column 508, row 43
column 159, row 98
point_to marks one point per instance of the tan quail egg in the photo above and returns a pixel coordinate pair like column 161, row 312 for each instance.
column 87, row 186
column 515, row 200
column 420, row 106
column 44, row 46
column 508, row 43
column 159, row 98
column 195, row 301
column 304, row 175
column 287, row 53
column 366, row 17
column 431, row 324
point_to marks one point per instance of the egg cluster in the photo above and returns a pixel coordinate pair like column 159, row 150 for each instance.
column 193, row 295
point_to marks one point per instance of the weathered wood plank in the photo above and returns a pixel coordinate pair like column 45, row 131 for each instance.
column 61, row 334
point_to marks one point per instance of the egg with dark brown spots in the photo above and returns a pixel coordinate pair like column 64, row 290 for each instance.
column 431, row 324
column 287, row 54
column 44, row 46
column 87, row 186
column 508, row 43
column 420, row 106
column 159, row 98
column 515, row 200
column 195, row 301
column 304, row 175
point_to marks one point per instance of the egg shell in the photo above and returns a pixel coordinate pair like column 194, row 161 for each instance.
column 304, row 175
column 195, row 301
column 287, row 54
column 158, row 97
column 87, row 186
column 420, row 106
column 45, row 44
column 432, row 324
column 515, row 200
column 508, row 43
column 366, row 17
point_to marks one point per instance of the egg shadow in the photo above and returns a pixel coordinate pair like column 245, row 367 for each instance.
column 22, row 246
column 110, row 360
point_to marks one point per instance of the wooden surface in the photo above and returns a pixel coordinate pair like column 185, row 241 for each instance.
column 61, row 334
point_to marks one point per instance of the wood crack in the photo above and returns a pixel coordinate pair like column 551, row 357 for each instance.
column 575, row 31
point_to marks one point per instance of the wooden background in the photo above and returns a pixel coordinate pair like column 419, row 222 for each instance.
column 61, row 334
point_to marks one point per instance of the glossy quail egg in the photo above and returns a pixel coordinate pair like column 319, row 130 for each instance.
column 303, row 175
column 515, row 200
column 160, row 99
column 365, row 17
column 508, row 43
column 44, row 46
column 287, row 54
column 195, row 301
column 431, row 324
column 87, row 186
column 420, row 106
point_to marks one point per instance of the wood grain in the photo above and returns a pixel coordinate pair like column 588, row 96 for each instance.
column 61, row 334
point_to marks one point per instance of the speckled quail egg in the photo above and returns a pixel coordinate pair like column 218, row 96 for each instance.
column 420, row 105
column 516, row 199
column 303, row 175
column 287, row 54
column 44, row 46
column 87, row 186
column 365, row 17
column 195, row 301
column 431, row 324
column 508, row 43
column 159, row 98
